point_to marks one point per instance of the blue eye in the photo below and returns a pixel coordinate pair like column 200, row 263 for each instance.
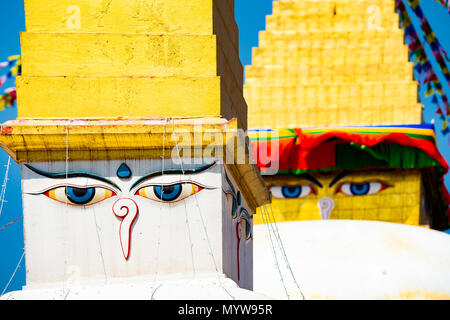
column 362, row 189
column 80, row 195
column 359, row 189
column 168, row 193
column 292, row 192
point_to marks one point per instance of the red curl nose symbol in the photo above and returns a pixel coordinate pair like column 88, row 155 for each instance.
column 127, row 210
column 326, row 205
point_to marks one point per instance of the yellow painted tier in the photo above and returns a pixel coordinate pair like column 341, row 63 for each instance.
column 131, row 59
column 334, row 15
column 51, row 139
column 117, row 55
column 105, row 97
column 131, row 16
column 331, row 63
column 332, row 104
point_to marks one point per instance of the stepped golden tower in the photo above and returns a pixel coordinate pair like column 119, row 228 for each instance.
column 102, row 59
column 331, row 63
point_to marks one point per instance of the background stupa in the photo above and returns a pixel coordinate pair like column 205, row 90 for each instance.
column 331, row 80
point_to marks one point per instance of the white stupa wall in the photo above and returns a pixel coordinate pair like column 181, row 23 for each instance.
column 193, row 236
column 351, row 260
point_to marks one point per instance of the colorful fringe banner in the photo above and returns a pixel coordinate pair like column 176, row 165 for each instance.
column 423, row 66
column 304, row 143
column 298, row 151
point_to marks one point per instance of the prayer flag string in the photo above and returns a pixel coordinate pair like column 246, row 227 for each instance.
column 445, row 3
column 422, row 65
column 9, row 97
column 10, row 223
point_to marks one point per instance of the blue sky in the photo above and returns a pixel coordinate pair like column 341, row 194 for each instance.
column 250, row 16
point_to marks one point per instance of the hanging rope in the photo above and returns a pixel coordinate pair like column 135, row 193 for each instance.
column 10, row 223
column 277, row 265
column 100, row 246
column 210, row 248
column 427, row 76
column 281, row 245
column 272, row 227
column 184, row 202
column 269, row 233
column 204, row 227
column 445, row 3
column 12, row 277
column 5, row 181
column 160, row 213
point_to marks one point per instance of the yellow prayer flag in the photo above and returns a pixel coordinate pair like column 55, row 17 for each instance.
column 15, row 57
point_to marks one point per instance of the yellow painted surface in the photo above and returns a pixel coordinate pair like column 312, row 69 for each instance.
column 129, row 135
column 330, row 104
column 103, row 135
column 130, row 58
column 399, row 202
column 114, row 55
column 57, row 97
column 182, row 16
column 331, row 63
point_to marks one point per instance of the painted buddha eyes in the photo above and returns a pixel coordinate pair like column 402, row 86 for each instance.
column 292, row 192
column 247, row 229
column 361, row 189
column 169, row 193
column 85, row 196
column 79, row 196
column 348, row 188
column 104, row 188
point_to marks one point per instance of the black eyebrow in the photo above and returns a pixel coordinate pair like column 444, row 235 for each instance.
column 311, row 179
column 339, row 177
column 172, row 171
column 65, row 175
column 230, row 184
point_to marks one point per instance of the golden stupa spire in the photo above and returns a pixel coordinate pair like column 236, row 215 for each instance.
column 131, row 59
column 331, row 63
